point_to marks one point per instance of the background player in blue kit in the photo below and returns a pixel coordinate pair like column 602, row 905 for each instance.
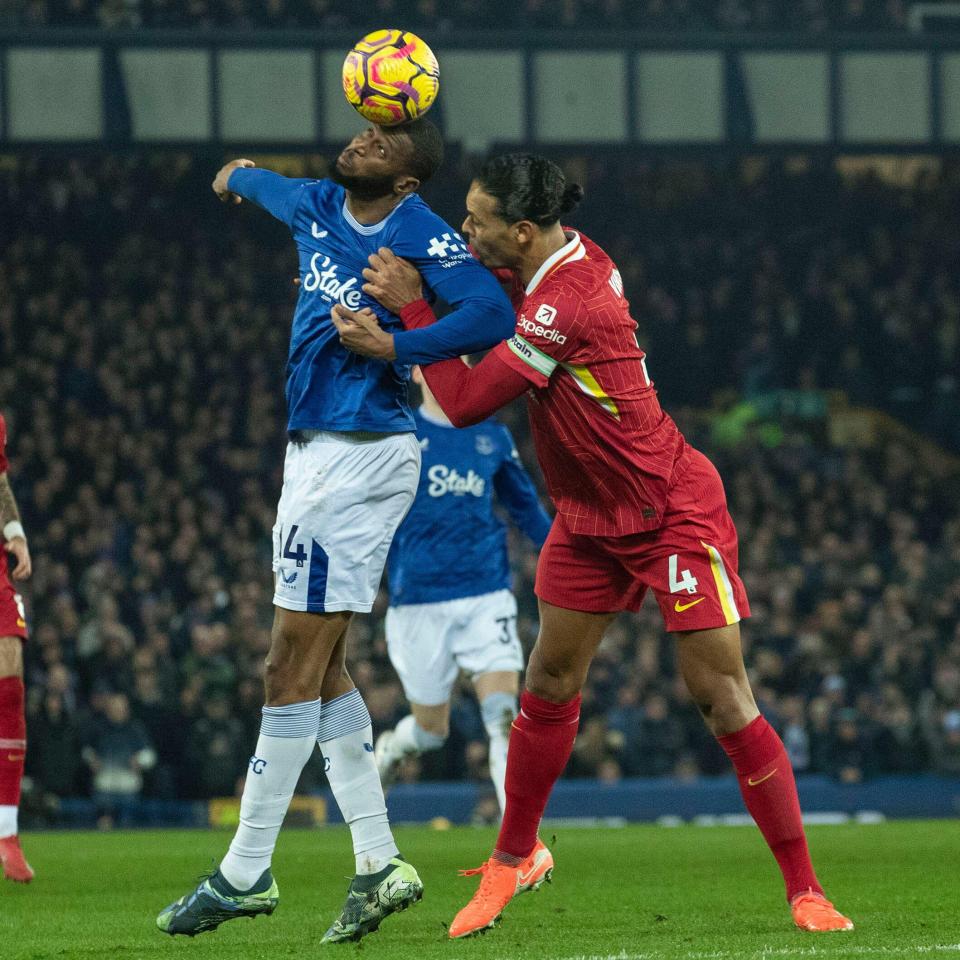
column 350, row 475
column 451, row 607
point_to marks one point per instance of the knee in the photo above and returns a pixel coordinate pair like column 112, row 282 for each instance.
column 284, row 683
column 725, row 706
column 553, row 679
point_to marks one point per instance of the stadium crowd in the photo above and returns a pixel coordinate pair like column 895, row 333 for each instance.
column 145, row 410
column 809, row 16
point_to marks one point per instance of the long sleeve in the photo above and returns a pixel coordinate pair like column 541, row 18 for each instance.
column 516, row 492
column 481, row 314
column 466, row 395
column 277, row 195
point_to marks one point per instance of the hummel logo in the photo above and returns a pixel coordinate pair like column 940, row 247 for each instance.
column 680, row 607
column 317, row 232
column 756, row 783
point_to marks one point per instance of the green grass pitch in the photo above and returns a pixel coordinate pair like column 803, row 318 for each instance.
column 637, row 893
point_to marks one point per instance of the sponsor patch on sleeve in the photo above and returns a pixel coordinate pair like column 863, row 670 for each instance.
column 450, row 248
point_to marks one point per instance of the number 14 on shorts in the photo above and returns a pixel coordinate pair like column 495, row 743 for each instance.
column 686, row 581
column 299, row 554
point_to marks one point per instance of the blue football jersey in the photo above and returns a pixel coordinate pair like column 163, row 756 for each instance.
column 452, row 544
column 328, row 387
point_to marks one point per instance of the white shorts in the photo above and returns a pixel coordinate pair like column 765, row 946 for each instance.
column 429, row 643
column 344, row 495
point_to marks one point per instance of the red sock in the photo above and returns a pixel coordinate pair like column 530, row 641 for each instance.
column 770, row 793
column 13, row 740
column 540, row 744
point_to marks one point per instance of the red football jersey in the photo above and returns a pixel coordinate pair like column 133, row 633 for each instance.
column 606, row 447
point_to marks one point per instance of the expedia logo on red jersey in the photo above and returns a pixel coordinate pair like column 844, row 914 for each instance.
column 541, row 329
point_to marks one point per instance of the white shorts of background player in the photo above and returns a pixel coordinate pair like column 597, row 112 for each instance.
column 429, row 643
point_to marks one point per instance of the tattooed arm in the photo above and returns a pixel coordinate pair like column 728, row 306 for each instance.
column 16, row 541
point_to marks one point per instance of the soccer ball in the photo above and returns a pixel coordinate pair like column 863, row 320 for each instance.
column 390, row 77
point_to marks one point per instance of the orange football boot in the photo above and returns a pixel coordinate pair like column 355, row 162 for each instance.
column 11, row 857
column 814, row 912
column 499, row 884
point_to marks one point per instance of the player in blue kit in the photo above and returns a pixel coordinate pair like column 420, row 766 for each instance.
column 451, row 607
column 351, row 471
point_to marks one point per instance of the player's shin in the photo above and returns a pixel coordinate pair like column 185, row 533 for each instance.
column 286, row 741
column 770, row 793
column 498, row 711
column 345, row 735
column 13, row 746
column 540, row 745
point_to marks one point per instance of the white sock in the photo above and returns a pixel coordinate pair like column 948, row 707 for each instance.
column 286, row 741
column 410, row 738
column 345, row 736
column 8, row 821
column 498, row 710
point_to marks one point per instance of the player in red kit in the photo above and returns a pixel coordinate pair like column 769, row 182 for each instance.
column 638, row 508
column 13, row 631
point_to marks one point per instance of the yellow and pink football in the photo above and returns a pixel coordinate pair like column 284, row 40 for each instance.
column 390, row 77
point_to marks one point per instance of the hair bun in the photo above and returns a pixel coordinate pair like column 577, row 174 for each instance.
column 572, row 195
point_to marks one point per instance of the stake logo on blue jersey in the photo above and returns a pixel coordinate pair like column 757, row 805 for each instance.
column 328, row 387
column 452, row 544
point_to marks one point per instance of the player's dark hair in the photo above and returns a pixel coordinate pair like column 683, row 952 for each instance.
column 528, row 187
column 426, row 155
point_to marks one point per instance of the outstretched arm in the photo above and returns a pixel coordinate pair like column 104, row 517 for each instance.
column 468, row 395
column 276, row 194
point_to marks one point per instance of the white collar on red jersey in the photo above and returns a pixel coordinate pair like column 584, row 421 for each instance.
column 574, row 250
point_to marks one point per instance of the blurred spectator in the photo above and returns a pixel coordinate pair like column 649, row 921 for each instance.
column 212, row 747
column 939, row 711
column 853, row 756
column 898, row 742
column 943, row 740
column 118, row 753
column 795, row 733
column 54, row 758
column 659, row 739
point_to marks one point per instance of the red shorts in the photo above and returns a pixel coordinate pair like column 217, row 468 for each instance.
column 690, row 562
column 13, row 621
